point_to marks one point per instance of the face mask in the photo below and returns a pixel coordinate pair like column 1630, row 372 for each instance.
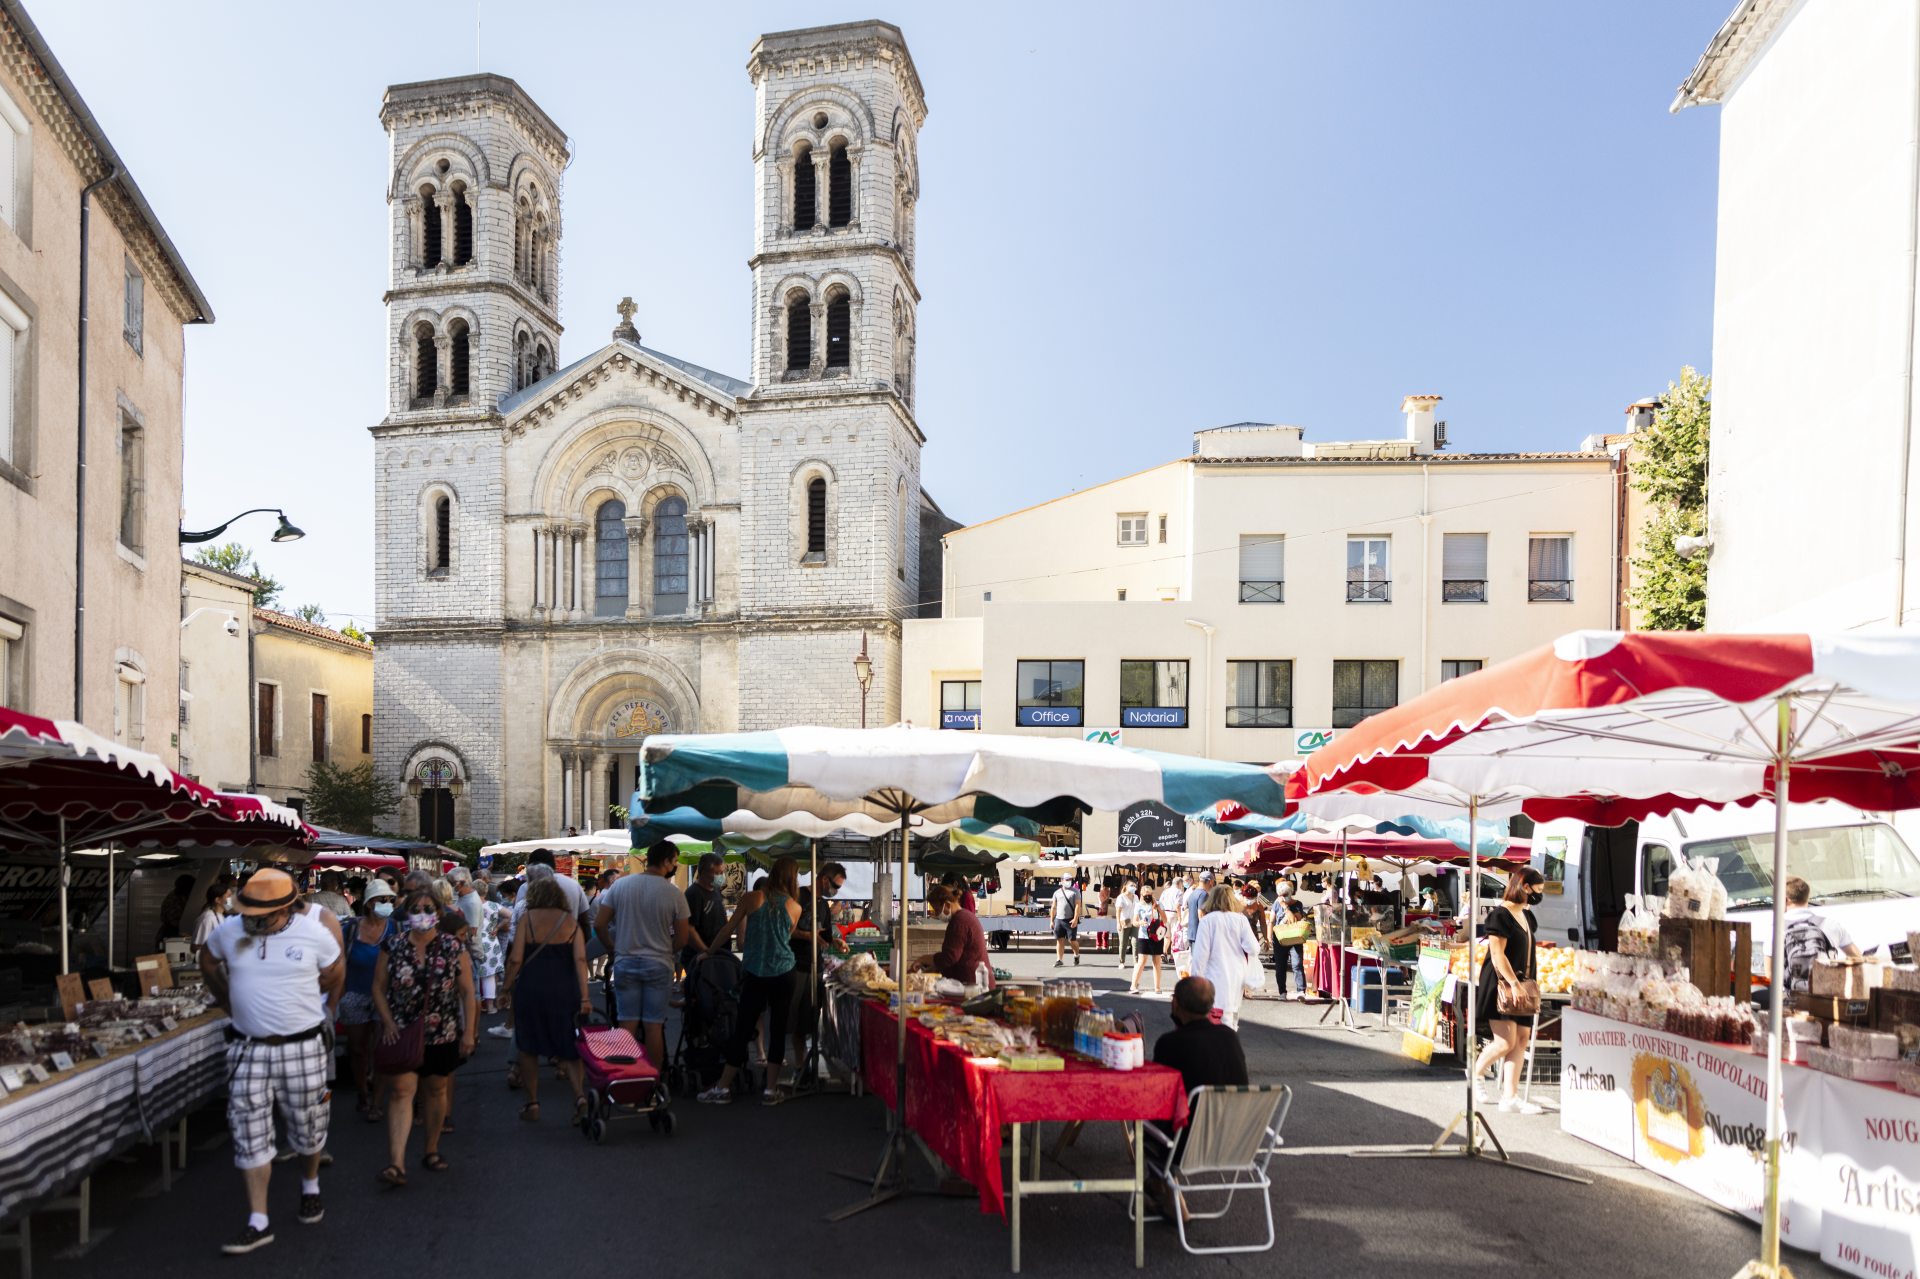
column 257, row 925
column 421, row 923
column 1534, row 897
column 383, row 909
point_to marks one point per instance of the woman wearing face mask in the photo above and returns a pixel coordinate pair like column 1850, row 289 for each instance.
column 356, row 1001
column 424, row 979
column 1509, row 963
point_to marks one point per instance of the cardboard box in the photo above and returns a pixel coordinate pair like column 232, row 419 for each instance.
column 1846, row 978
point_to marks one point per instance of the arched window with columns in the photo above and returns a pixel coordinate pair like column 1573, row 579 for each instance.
column 799, row 332
column 670, row 557
column 459, row 358
column 839, row 186
column 610, row 559
column 806, row 202
column 429, row 227
column 462, row 225
column 426, row 362
column 839, row 329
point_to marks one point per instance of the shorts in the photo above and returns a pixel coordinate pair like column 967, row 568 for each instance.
column 1153, row 946
column 642, row 988
column 1063, row 930
column 440, row 1059
column 294, row 1076
column 356, row 1009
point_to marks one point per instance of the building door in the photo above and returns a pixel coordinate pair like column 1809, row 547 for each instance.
column 436, row 814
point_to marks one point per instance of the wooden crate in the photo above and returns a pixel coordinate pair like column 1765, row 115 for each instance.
column 1718, row 953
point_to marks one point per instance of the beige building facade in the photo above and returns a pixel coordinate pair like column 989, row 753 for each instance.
column 216, row 610
column 1252, row 600
column 106, row 653
column 312, row 700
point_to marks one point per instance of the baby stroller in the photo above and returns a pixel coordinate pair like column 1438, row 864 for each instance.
column 619, row 1078
column 710, row 1006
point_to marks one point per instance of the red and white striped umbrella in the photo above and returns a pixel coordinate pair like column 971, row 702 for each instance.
column 1609, row 727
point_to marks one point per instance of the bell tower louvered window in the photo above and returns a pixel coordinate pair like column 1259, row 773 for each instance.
column 429, row 229
column 799, row 335
column 839, row 332
column 805, row 191
column 816, row 517
column 462, row 228
column 839, row 187
column 425, row 370
column 457, row 378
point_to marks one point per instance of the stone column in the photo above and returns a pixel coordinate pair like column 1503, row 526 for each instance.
column 442, row 358
column 853, row 181
column 578, row 535
column 556, row 570
column 822, row 192
column 444, row 212
column 636, row 548
column 539, row 602
column 817, row 358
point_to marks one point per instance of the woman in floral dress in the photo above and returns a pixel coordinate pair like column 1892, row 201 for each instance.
column 495, row 920
column 424, row 979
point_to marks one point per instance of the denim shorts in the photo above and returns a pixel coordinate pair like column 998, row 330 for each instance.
column 642, row 987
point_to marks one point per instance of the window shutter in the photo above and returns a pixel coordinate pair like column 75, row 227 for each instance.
column 9, row 347
column 1463, row 557
column 9, row 175
column 1263, row 557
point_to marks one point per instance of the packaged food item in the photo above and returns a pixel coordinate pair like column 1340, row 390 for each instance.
column 1845, row 978
column 1907, row 1078
column 1867, row 1070
column 1900, row 978
column 1709, row 876
column 1855, row 1041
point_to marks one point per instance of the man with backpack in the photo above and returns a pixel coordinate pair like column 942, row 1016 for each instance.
column 1066, row 922
column 1810, row 936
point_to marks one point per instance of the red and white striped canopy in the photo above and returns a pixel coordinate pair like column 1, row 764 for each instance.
column 1609, row 726
column 62, row 781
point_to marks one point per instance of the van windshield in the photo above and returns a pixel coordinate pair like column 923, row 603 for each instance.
column 1840, row 863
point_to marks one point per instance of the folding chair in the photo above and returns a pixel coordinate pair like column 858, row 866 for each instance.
column 1228, row 1142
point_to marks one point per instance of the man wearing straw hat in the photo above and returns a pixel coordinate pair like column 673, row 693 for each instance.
column 275, row 968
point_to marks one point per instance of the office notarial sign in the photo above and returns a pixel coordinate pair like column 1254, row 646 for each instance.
column 960, row 719
column 1048, row 717
column 1153, row 717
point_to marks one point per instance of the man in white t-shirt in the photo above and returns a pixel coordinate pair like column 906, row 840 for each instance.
column 1126, row 913
column 1067, row 903
column 275, row 969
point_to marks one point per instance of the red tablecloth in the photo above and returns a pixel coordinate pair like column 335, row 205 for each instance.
column 957, row 1105
column 1334, row 965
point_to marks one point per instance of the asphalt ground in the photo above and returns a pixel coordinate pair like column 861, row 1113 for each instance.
column 744, row 1190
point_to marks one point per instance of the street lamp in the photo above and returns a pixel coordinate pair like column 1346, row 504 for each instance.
column 287, row 532
column 863, row 673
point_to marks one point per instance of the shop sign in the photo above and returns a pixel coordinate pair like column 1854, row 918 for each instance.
column 1103, row 736
column 1048, row 717
column 1308, row 740
column 1150, row 827
column 960, row 719
column 1870, row 1164
column 30, row 885
column 1153, row 717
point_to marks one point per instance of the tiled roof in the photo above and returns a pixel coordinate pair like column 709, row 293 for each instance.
column 312, row 630
column 730, row 387
column 1733, row 47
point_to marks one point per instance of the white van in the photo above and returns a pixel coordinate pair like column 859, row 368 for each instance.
column 1862, row 873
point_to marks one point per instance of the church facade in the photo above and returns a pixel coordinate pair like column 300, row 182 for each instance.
column 572, row 558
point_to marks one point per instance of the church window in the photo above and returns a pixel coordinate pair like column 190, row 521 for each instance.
column 805, row 201
column 839, row 330
column 521, row 355
column 462, row 227
column 839, row 187
column 426, row 372
column 441, row 557
column 799, row 334
column 817, row 517
column 900, row 519
column 462, row 346
column 670, row 557
column 429, row 228
column 520, row 240
column 610, row 559
column 542, row 361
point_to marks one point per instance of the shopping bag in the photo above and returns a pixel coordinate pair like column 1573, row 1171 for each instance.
column 1256, row 977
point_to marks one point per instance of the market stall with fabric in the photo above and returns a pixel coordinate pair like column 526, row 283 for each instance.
column 901, row 773
column 1610, row 727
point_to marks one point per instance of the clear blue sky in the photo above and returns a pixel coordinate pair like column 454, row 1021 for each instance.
column 1138, row 220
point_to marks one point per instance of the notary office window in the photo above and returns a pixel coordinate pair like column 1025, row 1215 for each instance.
column 1049, row 683
column 1153, row 684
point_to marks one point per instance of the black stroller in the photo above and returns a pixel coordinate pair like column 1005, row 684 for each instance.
column 710, row 1008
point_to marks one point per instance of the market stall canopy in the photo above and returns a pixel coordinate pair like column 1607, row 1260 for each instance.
column 367, row 861
column 328, row 840
column 1410, row 853
column 1138, row 858
column 611, row 842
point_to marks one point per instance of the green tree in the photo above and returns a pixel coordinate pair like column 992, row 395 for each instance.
column 353, row 632
column 467, row 847
column 350, row 799
column 1670, row 467
column 311, row 613
column 235, row 558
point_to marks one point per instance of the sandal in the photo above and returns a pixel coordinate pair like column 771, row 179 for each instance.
column 446, row 1125
column 531, row 1112
column 579, row 1110
column 434, row 1162
column 394, row 1175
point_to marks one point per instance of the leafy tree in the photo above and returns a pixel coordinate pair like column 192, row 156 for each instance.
column 311, row 613
column 467, row 846
column 350, row 799
column 1670, row 467
column 235, row 558
column 353, row 632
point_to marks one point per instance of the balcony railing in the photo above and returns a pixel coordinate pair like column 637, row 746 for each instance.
column 1550, row 590
column 1369, row 592
column 1263, row 592
column 1463, row 590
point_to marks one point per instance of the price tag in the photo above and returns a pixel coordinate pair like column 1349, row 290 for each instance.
column 156, row 974
column 62, row 1061
column 168, row 1023
column 12, row 1079
column 73, row 993
column 39, row 1074
column 100, row 988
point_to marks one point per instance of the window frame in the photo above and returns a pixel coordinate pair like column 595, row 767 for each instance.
column 818, row 517
column 1473, row 590
column 133, row 320
column 1260, row 590
column 1370, row 590
column 13, row 662
column 666, row 556
column 1139, row 714
column 16, row 210
column 965, row 717
column 602, row 561
column 1257, row 706
column 1052, row 712
column 133, row 483
column 320, row 727
column 1344, row 716
column 16, row 348
column 1479, row 664
column 366, row 733
column 1122, row 521
column 266, row 718
column 1564, row 585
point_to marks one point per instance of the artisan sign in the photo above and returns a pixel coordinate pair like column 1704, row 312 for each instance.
column 1148, row 827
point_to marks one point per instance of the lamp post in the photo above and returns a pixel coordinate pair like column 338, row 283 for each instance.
column 863, row 674
column 287, row 532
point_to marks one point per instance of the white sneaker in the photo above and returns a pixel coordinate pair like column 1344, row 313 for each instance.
column 1482, row 1094
column 1514, row 1106
column 500, row 1032
column 716, row 1096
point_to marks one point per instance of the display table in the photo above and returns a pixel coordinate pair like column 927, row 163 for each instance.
column 957, row 1105
column 52, row 1135
column 1696, row 1114
column 1333, row 967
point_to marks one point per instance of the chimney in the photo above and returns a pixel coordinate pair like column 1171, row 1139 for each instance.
column 1640, row 414
column 1419, row 411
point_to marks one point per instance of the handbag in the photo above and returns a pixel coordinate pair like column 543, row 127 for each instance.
column 404, row 1055
column 1522, row 1000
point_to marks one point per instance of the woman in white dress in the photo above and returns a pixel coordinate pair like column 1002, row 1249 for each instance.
column 1224, row 950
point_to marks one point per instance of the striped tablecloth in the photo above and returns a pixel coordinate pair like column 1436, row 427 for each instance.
column 53, row 1135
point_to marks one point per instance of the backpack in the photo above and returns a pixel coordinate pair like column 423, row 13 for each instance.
column 1806, row 942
